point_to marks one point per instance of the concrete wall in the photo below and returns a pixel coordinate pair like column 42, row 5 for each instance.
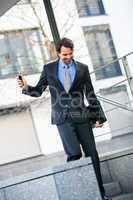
column 47, row 133
column 18, row 138
column 120, row 120
column 120, row 18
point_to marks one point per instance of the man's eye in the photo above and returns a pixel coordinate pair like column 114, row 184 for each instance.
column 65, row 54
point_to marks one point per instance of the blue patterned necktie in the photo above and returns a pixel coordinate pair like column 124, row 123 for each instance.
column 67, row 79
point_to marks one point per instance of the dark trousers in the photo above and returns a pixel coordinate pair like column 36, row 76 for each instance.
column 74, row 136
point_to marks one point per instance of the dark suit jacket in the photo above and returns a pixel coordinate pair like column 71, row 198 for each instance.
column 69, row 106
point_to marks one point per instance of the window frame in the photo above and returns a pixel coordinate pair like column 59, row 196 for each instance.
column 116, row 68
column 15, row 67
column 87, row 12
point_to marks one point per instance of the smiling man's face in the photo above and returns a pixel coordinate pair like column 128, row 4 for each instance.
column 66, row 54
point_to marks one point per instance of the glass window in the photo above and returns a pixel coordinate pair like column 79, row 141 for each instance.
column 21, row 51
column 90, row 7
column 102, row 51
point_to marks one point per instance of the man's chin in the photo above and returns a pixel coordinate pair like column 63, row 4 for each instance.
column 67, row 61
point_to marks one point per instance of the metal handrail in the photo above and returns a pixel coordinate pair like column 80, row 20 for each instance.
column 115, row 130
column 114, row 85
column 115, row 103
column 107, row 65
column 116, row 107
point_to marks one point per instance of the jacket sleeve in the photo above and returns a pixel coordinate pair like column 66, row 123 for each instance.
column 37, row 90
column 95, row 111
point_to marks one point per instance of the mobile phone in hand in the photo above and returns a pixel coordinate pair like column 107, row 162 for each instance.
column 20, row 77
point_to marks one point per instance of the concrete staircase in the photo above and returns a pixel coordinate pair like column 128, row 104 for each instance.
column 34, row 165
column 113, row 190
column 118, row 181
column 116, row 157
column 72, row 181
column 124, row 197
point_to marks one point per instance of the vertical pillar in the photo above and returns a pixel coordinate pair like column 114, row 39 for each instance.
column 52, row 21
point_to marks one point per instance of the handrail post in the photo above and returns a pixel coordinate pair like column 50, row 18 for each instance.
column 128, row 73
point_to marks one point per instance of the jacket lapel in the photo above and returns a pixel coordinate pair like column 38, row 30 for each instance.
column 55, row 74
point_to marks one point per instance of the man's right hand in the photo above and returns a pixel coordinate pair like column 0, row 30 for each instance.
column 21, row 81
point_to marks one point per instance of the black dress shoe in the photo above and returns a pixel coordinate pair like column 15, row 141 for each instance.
column 105, row 197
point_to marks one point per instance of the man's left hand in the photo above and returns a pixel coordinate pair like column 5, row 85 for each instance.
column 98, row 125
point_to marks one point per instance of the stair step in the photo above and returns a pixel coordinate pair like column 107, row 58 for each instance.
column 112, row 189
column 128, row 196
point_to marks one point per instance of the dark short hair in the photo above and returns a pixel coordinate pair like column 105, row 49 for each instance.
column 66, row 43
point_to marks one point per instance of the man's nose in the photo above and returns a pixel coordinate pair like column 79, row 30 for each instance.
column 69, row 56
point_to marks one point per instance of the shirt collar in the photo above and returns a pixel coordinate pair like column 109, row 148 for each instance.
column 62, row 64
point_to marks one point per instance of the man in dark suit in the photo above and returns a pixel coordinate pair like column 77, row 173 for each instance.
column 68, row 82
